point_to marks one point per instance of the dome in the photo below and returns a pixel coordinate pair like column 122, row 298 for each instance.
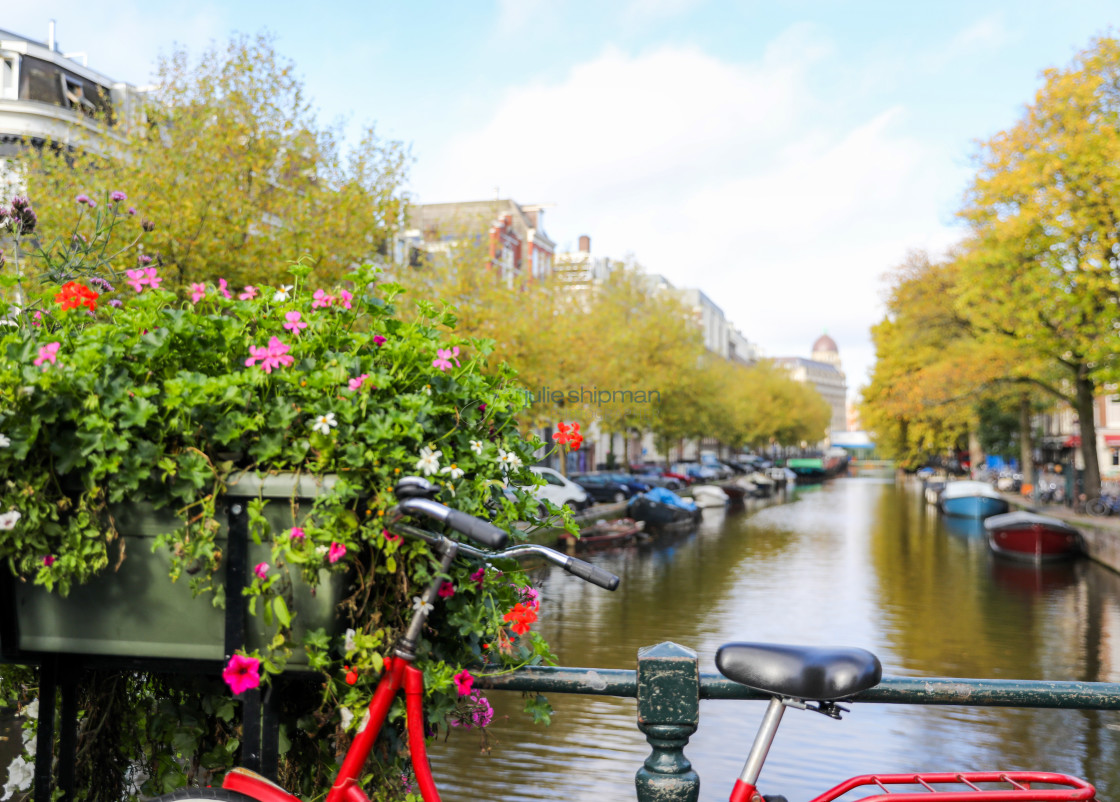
column 825, row 343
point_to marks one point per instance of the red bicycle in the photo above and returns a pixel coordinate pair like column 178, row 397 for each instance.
column 798, row 677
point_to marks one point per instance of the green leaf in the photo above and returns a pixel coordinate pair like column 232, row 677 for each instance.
column 282, row 614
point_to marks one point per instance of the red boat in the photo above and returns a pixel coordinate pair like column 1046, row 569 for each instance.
column 1029, row 536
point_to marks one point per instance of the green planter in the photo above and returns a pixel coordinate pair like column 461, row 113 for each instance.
column 136, row 611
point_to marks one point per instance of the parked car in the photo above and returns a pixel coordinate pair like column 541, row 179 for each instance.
column 602, row 488
column 559, row 489
column 655, row 478
column 634, row 483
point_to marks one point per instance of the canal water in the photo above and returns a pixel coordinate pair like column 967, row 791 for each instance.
column 855, row 562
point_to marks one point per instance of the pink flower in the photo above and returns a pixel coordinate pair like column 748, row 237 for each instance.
column 48, row 353
column 446, row 590
column 242, row 673
column 479, row 576
column 37, row 318
column 272, row 356
column 344, row 299
column 336, row 553
column 356, row 383
column 197, row 292
column 49, row 560
column 463, row 682
column 222, row 288
column 296, row 533
column 378, row 340
column 143, row 276
column 444, row 357
column 249, row 293
column 530, row 597
column 294, row 324
column 261, row 570
column 392, row 538
column 321, row 299
column 118, row 196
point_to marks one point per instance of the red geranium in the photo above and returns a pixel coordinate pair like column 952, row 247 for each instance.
column 567, row 434
column 522, row 617
column 74, row 295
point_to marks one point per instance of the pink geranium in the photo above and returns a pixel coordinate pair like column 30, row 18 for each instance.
column 344, row 299
column 444, row 357
column 321, row 299
column 242, row 673
column 357, row 382
column 248, row 294
column 223, row 288
column 271, row 356
column 293, row 323
column 296, row 533
column 47, row 353
column 197, row 292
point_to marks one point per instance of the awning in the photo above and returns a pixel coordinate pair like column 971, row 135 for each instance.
column 1112, row 439
column 1073, row 441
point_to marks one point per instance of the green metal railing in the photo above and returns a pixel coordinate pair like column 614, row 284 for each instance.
column 669, row 686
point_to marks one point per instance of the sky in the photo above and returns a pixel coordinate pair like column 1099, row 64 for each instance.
column 782, row 157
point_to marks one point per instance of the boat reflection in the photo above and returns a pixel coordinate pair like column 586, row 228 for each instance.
column 1032, row 579
column 963, row 527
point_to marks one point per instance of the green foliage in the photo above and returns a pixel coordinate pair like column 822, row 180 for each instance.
column 115, row 389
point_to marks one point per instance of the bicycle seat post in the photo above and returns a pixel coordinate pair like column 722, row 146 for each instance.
column 763, row 740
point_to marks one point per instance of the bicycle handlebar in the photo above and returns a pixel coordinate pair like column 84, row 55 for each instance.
column 483, row 531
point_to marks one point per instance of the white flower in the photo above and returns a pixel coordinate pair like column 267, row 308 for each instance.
column 4, row 441
column 32, row 709
column 7, row 322
column 346, row 717
column 324, row 423
column 508, row 460
column 429, row 461
column 454, row 470
column 421, row 606
column 8, row 521
column 321, row 551
column 348, row 644
column 29, row 742
column 427, row 389
column 20, row 775
column 476, row 447
column 282, row 293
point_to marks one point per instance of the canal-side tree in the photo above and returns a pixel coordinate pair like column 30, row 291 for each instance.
column 1044, row 264
column 234, row 172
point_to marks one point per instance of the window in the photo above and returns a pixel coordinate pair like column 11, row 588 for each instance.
column 1116, row 457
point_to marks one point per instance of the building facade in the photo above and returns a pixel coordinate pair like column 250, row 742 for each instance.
column 513, row 235
column 824, row 372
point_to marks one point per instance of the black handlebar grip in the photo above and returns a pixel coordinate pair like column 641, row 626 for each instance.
column 597, row 576
column 484, row 532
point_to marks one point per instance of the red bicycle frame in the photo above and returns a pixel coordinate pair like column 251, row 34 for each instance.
column 1017, row 788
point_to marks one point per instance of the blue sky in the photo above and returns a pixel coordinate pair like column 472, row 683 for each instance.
column 782, row 157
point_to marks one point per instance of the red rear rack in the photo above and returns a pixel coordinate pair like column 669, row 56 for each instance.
column 971, row 786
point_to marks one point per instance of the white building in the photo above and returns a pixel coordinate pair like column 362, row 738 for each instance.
column 824, row 372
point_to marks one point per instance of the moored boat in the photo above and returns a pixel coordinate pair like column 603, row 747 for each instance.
column 1024, row 535
column 709, row 496
column 603, row 534
column 971, row 499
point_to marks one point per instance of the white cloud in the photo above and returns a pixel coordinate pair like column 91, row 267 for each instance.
column 723, row 176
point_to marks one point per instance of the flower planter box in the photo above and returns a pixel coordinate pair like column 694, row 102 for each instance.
column 136, row 611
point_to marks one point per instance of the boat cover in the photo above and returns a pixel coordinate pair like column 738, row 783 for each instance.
column 666, row 496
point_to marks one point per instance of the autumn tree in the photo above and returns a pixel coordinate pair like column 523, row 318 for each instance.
column 1043, row 267
column 234, row 172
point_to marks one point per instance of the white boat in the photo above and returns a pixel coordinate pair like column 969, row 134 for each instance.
column 709, row 496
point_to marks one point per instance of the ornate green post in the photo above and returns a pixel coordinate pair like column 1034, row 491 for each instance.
column 668, row 713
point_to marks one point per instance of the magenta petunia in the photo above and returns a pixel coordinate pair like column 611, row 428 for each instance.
column 242, row 673
column 463, row 682
column 337, row 552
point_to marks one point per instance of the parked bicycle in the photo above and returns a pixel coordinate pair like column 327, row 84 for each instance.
column 798, row 677
column 1103, row 505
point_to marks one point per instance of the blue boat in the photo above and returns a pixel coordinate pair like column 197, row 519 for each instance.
column 971, row 499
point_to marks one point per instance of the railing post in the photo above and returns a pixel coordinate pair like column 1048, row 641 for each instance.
column 668, row 713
